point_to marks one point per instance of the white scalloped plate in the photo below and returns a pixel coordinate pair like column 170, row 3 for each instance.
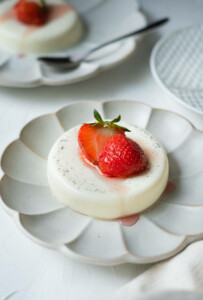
column 175, row 222
column 104, row 22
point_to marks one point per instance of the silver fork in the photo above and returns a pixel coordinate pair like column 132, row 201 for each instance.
column 72, row 62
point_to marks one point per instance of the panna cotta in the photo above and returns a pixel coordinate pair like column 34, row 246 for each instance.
column 61, row 30
column 83, row 188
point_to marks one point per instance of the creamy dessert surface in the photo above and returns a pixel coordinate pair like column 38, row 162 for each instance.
column 62, row 29
column 85, row 190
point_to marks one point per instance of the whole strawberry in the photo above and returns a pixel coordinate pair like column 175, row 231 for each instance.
column 30, row 12
column 121, row 157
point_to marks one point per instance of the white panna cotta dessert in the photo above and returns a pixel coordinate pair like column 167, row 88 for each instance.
column 61, row 30
column 84, row 189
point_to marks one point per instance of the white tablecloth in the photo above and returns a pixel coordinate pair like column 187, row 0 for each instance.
column 178, row 278
column 30, row 272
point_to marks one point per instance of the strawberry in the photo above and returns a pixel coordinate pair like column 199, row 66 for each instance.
column 92, row 137
column 121, row 157
column 30, row 13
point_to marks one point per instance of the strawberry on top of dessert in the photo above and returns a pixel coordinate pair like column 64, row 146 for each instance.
column 30, row 12
column 105, row 144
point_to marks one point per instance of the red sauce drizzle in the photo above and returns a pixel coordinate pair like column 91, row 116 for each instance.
column 57, row 11
column 129, row 220
column 8, row 15
column 170, row 188
column 21, row 55
column 133, row 219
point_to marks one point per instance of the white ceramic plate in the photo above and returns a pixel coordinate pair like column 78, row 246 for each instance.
column 164, row 231
column 177, row 65
column 104, row 20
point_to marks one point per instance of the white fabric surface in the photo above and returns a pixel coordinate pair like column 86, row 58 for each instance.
column 178, row 278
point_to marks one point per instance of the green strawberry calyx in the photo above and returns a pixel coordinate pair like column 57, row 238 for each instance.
column 108, row 124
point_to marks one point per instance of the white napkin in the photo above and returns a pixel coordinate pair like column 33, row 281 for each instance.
column 178, row 278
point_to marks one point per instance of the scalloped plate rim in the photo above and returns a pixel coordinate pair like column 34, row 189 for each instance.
column 127, row 257
column 99, row 68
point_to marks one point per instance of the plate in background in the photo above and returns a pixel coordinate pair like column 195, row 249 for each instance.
column 161, row 233
column 104, row 20
column 177, row 65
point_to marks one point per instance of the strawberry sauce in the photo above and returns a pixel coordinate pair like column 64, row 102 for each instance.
column 133, row 219
column 21, row 55
column 57, row 11
column 170, row 188
column 8, row 15
column 130, row 220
